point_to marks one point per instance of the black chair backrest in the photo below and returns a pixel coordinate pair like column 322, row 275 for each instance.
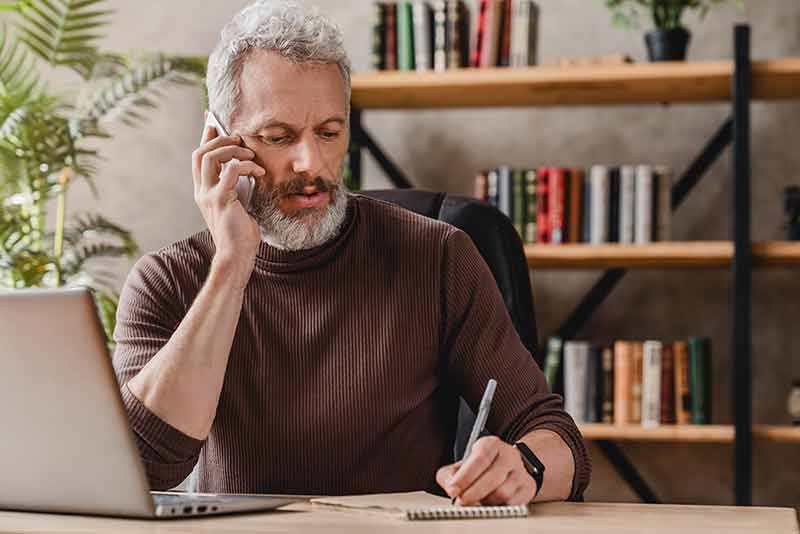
column 499, row 244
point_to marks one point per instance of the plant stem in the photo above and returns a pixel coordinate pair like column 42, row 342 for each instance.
column 58, row 242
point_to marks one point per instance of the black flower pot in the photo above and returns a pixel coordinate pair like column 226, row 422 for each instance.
column 667, row 45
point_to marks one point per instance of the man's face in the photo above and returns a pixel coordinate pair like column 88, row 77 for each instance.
column 294, row 118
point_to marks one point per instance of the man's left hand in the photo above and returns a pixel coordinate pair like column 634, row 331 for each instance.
column 493, row 474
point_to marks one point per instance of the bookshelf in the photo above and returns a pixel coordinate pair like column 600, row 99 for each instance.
column 737, row 82
column 665, row 255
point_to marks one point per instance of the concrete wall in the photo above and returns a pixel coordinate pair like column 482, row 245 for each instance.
column 145, row 184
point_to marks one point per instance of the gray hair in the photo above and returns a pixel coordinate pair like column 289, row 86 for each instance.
column 299, row 34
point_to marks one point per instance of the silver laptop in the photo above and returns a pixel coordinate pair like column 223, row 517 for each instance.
column 65, row 443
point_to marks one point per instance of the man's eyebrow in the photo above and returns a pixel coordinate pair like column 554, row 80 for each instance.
column 274, row 123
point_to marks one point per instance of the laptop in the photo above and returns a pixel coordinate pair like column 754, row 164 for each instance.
column 65, row 444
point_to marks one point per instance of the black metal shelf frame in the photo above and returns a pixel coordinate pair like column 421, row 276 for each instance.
column 734, row 131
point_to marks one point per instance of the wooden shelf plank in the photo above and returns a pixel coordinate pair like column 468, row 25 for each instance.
column 641, row 83
column 666, row 255
column 681, row 433
column 687, row 433
column 780, row 433
column 677, row 254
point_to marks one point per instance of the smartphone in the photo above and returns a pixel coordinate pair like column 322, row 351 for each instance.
column 246, row 184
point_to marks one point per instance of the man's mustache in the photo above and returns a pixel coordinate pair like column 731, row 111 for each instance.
column 296, row 186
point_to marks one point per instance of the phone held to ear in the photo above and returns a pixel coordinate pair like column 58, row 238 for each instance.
column 246, row 184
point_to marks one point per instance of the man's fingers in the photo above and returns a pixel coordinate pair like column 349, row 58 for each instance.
column 213, row 144
column 483, row 454
column 234, row 169
column 444, row 474
column 209, row 133
column 493, row 480
column 211, row 162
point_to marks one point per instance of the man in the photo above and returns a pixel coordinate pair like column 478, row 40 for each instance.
column 320, row 345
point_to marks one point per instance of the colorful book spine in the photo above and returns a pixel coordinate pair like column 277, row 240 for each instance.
column 440, row 36
column 664, row 222
column 530, row 206
column 530, row 35
column 594, row 379
column 504, row 200
column 480, row 33
column 492, row 188
column 651, row 383
column 644, row 204
column 391, row 36
column 489, row 49
column 464, row 28
column 586, row 230
column 518, row 201
column 378, row 50
column 405, row 36
column 576, row 356
column 637, row 367
column 552, row 362
column 613, row 204
column 481, row 191
column 575, row 205
column 505, row 34
column 607, row 392
column 700, row 379
column 626, row 203
column 557, row 192
column 423, row 37
column 452, row 26
column 667, row 384
column 542, row 206
column 683, row 397
column 599, row 207
column 623, row 378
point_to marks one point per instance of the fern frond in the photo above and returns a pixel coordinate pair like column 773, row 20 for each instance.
column 92, row 236
column 18, row 77
column 134, row 87
column 63, row 32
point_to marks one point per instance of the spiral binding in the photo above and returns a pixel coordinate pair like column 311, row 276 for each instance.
column 467, row 512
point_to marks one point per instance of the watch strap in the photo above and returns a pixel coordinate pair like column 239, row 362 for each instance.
column 533, row 465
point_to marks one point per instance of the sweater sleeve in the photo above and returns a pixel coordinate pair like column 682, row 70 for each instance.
column 149, row 312
column 480, row 343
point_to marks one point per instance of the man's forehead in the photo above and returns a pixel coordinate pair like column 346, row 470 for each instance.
column 267, row 119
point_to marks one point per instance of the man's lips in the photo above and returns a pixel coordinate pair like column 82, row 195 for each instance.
column 310, row 198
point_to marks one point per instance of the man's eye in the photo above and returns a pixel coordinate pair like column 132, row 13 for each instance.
column 329, row 135
column 275, row 139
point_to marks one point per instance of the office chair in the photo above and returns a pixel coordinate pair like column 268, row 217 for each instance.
column 499, row 244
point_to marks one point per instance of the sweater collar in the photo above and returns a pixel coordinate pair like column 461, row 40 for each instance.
column 273, row 259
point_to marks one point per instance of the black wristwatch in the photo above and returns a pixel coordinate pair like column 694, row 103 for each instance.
column 533, row 465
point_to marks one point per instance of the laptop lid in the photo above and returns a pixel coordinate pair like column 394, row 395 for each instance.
column 66, row 445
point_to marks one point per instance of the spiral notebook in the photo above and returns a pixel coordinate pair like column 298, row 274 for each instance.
column 417, row 505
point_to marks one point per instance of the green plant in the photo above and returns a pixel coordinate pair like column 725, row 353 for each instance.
column 666, row 14
column 45, row 139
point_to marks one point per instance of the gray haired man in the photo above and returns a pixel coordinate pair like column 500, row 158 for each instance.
column 319, row 344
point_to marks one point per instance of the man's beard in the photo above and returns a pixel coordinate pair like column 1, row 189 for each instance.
column 306, row 227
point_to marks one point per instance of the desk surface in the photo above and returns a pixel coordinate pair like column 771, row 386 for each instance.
column 563, row 518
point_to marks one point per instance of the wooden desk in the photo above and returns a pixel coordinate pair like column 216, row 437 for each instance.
column 562, row 518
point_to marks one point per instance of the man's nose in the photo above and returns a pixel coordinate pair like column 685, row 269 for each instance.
column 307, row 158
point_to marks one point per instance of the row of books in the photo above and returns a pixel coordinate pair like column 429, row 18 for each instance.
column 420, row 36
column 630, row 382
column 613, row 204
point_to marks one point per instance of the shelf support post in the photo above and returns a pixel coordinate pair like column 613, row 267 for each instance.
column 363, row 139
column 741, row 271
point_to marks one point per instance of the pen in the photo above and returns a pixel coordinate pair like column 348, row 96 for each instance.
column 480, row 420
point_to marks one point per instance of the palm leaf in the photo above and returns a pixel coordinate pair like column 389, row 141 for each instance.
column 92, row 236
column 21, row 265
column 18, row 78
column 63, row 32
column 133, row 88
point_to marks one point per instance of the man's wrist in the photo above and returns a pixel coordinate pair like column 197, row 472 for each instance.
column 533, row 465
column 228, row 271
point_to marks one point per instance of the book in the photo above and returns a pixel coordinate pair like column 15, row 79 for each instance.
column 651, row 383
column 699, row 349
column 405, row 36
column 552, row 362
column 644, row 204
column 683, row 398
column 452, row 34
column 481, row 191
column 391, row 36
column 525, row 34
column 518, row 201
column 423, row 36
column 613, row 204
column 542, row 205
column 464, row 29
column 530, row 206
column 480, row 32
column 492, row 187
column 623, row 379
column 575, row 205
column 491, row 35
column 598, row 177
column 557, row 192
column 594, row 379
column 439, row 36
column 504, row 200
column 667, row 384
column 586, row 217
column 664, row 221
column 576, row 379
column 505, row 35
column 607, row 390
column 378, row 50
column 627, row 179
column 637, row 367
column 417, row 505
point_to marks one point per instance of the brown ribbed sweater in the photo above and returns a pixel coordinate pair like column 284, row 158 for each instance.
column 346, row 364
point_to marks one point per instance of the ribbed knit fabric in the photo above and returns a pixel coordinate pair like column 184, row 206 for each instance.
column 346, row 364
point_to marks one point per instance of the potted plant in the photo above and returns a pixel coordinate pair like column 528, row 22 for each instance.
column 45, row 140
column 669, row 40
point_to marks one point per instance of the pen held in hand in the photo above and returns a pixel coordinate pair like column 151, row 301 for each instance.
column 480, row 420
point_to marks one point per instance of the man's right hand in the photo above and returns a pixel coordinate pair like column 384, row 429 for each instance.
column 236, row 235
